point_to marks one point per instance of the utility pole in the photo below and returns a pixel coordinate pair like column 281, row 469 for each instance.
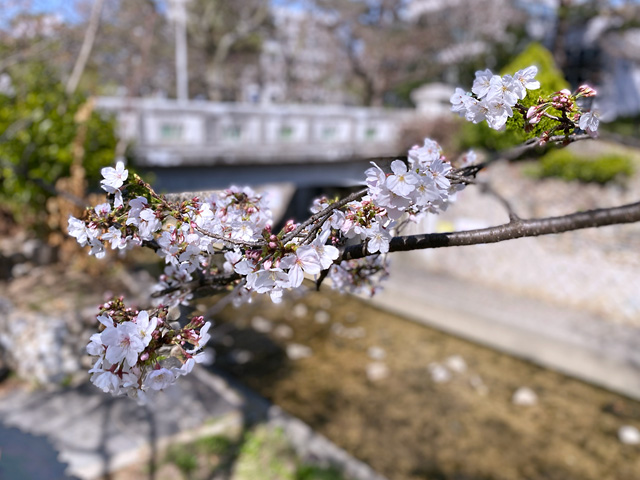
column 178, row 15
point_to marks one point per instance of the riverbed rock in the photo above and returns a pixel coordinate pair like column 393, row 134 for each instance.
column 350, row 333
column 261, row 324
column 525, row 397
column 376, row 353
column 296, row 351
column 629, row 435
column 377, row 371
column 456, row 363
column 439, row 373
column 39, row 347
column 283, row 331
column 300, row 310
column 241, row 357
column 478, row 385
column 322, row 317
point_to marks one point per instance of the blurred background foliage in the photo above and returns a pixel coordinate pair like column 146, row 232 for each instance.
column 44, row 132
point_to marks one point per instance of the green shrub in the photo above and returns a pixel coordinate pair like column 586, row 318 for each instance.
column 565, row 165
column 38, row 126
column 549, row 75
column 625, row 126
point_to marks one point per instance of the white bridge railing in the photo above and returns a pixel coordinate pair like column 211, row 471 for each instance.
column 198, row 133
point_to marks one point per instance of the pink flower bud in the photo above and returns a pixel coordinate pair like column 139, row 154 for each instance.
column 586, row 91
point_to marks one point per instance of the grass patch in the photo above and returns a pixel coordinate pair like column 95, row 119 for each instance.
column 263, row 453
column 200, row 458
column 311, row 472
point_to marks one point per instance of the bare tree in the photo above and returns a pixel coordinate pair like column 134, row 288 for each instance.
column 87, row 46
column 391, row 43
column 219, row 30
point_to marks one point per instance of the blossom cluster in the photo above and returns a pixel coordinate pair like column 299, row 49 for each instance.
column 565, row 104
column 415, row 188
column 227, row 237
column 139, row 353
column 236, row 224
column 493, row 97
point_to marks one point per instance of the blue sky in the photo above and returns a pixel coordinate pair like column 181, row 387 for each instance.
column 67, row 8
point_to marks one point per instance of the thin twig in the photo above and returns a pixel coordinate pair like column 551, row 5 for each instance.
column 232, row 241
column 487, row 188
column 322, row 213
column 221, row 279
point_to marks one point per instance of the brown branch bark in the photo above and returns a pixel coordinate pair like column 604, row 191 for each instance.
column 515, row 229
column 601, row 217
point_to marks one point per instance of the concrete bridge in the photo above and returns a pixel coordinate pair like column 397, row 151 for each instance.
column 169, row 133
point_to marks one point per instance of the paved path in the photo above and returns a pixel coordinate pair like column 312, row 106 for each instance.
column 569, row 341
column 94, row 433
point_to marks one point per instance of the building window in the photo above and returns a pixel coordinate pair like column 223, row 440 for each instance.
column 232, row 132
column 171, row 131
column 286, row 132
column 370, row 133
column 328, row 132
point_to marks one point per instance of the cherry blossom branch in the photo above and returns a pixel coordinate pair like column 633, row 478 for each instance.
column 220, row 280
column 326, row 212
column 600, row 217
column 232, row 241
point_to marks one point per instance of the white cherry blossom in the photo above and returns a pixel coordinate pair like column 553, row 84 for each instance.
column 95, row 346
column 145, row 326
column 78, row 230
column 482, row 83
column 114, row 178
column 106, row 381
column 402, row 182
column 524, row 80
column 159, row 379
column 378, row 239
column 589, row 122
column 501, row 88
column 458, row 100
column 123, row 343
